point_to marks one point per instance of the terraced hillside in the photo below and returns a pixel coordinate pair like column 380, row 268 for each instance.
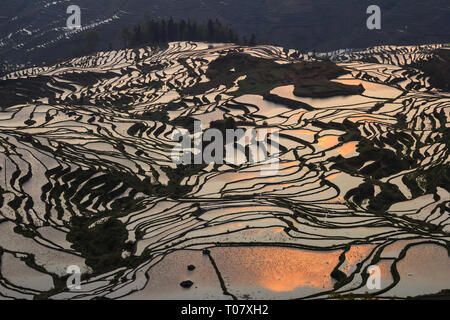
column 34, row 31
column 87, row 177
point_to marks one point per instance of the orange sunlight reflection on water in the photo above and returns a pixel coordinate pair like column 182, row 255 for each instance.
column 328, row 141
column 277, row 269
column 347, row 148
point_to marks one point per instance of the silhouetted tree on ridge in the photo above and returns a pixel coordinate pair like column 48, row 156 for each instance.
column 154, row 32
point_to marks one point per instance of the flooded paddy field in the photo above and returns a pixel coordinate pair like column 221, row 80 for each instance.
column 87, row 178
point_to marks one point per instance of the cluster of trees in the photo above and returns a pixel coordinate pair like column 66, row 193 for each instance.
column 437, row 69
column 88, row 45
column 152, row 32
column 158, row 32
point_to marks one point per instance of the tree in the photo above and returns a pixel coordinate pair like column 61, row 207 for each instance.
column 125, row 35
column 154, row 32
column 210, row 30
column 137, row 35
column 252, row 40
column 171, row 30
column 163, row 32
column 92, row 39
column 182, row 30
column 157, row 32
column 193, row 31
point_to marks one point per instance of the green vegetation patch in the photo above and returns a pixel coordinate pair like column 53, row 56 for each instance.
column 310, row 79
column 423, row 182
column 101, row 245
column 386, row 162
column 176, row 175
column 437, row 68
column 157, row 32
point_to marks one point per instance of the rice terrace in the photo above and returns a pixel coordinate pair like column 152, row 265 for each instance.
column 361, row 183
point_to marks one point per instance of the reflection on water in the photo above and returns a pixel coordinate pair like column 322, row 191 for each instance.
column 301, row 132
column 372, row 89
column 275, row 272
column 348, row 149
column 318, row 103
column 424, row 270
column 165, row 277
column 328, row 141
column 266, row 108
column 355, row 255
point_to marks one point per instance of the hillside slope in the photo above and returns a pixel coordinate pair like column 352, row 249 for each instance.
column 87, row 175
column 32, row 31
